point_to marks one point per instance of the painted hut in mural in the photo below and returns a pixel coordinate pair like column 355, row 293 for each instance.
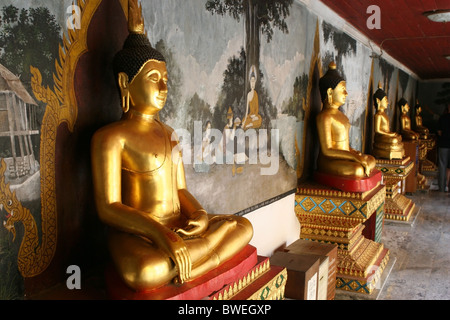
column 18, row 124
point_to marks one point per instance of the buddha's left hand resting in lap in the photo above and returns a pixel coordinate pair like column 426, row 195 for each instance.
column 158, row 232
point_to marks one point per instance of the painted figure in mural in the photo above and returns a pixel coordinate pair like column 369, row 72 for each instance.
column 387, row 144
column 405, row 122
column 252, row 119
column 158, row 232
column 207, row 150
column 207, row 156
column 335, row 155
column 419, row 127
column 231, row 154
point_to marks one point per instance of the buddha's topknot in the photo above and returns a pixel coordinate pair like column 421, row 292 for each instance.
column 136, row 51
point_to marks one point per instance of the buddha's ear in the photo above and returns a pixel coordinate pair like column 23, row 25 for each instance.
column 378, row 101
column 122, row 79
column 330, row 95
column 124, row 91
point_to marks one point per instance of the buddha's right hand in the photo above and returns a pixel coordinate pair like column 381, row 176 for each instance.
column 364, row 163
column 366, row 166
column 176, row 248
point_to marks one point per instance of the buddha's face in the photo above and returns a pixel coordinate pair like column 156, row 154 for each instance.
column 418, row 110
column 253, row 83
column 383, row 104
column 339, row 94
column 148, row 90
column 405, row 108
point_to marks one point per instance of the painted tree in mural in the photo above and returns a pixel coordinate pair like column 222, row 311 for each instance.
column 261, row 17
column 291, row 107
column 29, row 37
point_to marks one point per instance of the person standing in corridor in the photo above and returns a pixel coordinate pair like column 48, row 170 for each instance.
column 444, row 148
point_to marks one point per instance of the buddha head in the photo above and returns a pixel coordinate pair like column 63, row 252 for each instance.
column 252, row 77
column 141, row 74
column 332, row 87
column 403, row 104
column 380, row 99
column 418, row 109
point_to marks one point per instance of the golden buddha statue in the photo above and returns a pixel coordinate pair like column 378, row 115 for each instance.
column 335, row 155
column 387, row 144
column 419, row 127
column 408, row 134
column 405, row 122
column 158, row 232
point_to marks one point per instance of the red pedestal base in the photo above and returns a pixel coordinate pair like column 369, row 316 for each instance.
column 197, row 289
column 349, row 184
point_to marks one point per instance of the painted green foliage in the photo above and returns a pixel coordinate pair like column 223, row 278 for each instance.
column 29, row 37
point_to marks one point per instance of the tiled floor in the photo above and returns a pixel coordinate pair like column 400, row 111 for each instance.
column 422, row 251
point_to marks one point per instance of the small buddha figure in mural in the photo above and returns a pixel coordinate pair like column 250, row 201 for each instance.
column 387, row 144
column 158, row 233
column 335, row 155
column 252, row 119
column 419, row 127
column 405, row 122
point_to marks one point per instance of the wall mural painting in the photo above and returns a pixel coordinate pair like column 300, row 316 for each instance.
column 29, row 36
column 235, row 102
column 36, row 63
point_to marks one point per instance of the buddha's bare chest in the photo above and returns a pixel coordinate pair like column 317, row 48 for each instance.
column 340, row 126
column 147, row 151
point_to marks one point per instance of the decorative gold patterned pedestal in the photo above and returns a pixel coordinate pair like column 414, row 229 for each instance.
column 395, row 172
column 263, row 282
column 425, row 164
column 333, row 216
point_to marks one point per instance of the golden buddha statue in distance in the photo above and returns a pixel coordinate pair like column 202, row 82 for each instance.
column 158, row 232
column 335, row 155
column 419, row 127
column 405, row 122
column 387, row 144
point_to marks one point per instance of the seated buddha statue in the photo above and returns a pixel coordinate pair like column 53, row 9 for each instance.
column 387, row 144
column 335, row 155
column 405, row 122
column 252, row 118
column 158, row 233
column 419, row 127
column 407, row 133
